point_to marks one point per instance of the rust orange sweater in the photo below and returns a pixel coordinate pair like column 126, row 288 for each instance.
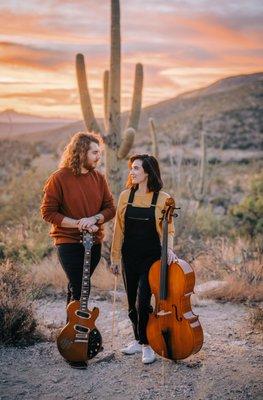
column 68, row 195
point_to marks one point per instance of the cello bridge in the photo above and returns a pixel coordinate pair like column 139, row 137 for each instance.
column 162, row 313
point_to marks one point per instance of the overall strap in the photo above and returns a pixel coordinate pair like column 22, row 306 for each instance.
column 131, row 196
column 154, row 199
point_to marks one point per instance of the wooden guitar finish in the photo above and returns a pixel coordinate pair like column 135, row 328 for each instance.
column 173, row 330
column 80, row 340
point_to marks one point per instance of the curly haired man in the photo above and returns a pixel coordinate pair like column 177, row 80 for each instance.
column 77, row 198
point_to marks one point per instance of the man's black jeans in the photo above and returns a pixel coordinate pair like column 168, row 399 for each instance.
column 71, row 257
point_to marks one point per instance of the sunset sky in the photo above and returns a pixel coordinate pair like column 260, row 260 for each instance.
column 183, row 45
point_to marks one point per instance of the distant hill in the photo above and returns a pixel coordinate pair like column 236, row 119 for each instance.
column 13, row 123
column 231, row 110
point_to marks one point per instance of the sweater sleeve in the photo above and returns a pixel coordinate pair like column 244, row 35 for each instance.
column 52, row 201
column 118, row 233
column 107, row 209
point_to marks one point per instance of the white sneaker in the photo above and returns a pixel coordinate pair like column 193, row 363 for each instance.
column 148, row 355
column 132, row 348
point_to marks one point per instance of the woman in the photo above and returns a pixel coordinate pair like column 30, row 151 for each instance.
column 137, row 243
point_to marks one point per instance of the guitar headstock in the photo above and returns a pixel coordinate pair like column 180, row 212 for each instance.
column 87, row 240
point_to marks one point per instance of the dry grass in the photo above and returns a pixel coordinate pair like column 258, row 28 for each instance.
column 256, row 317
column 238, row 263
column 18, row 325
column 47, row 277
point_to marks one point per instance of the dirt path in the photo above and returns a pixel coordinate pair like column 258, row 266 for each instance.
column 229, row 366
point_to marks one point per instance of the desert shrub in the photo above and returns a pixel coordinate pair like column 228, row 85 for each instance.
column 200, row 223
column 26, row 243
column 24, row 235
column 256, row 317
column 20, row 197
column 248, row 215
column 47, row 278
column 17, row 323
column 238, row 263
column 15, row 158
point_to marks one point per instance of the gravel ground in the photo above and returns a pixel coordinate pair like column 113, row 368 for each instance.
column 229, row 366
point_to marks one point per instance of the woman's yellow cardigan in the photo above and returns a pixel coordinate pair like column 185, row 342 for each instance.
column 140, row 200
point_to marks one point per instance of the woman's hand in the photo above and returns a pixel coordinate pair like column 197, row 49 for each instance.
column 171, row 257
column 115, row 269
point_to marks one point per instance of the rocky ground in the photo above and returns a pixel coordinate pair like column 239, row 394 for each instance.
column 229, row 366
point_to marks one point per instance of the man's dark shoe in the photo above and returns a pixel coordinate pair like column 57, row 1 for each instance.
column 78, row 364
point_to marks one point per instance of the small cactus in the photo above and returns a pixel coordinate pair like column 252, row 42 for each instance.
column 200, row 192
column 155, row 150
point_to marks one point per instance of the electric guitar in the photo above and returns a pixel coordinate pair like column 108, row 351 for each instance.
column 80, row 340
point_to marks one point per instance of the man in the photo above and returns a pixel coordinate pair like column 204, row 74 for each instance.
column 77, row 198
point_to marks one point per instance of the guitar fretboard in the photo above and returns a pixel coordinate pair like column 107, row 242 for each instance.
column 85, row 287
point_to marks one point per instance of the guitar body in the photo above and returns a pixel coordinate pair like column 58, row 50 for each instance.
column 79, row 340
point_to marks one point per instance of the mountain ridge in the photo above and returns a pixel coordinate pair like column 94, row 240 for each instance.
column 229, row 110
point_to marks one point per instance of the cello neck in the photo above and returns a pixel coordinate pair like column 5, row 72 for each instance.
column 164, row 266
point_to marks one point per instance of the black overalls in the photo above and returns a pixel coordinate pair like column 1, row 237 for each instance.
column 141, row 247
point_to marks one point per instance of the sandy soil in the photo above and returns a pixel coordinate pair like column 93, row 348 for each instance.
column 229, row 366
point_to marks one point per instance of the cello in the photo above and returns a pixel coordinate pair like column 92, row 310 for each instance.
column 173, row 330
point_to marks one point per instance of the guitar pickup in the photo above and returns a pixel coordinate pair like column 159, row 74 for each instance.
column 81, row 329
column 83, row 314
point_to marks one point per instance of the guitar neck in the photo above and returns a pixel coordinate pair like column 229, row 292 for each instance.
column 85, row 287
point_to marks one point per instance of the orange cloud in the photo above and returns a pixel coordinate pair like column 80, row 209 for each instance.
column 181, row 45
column 21, row 55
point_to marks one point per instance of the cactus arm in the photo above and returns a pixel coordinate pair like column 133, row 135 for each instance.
column 132, row 126
column 87, row 111
column 137, row 98
column 106, row 98
column 126, row 143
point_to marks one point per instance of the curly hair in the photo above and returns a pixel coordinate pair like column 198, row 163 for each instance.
column 151, row 167
column 76, row 149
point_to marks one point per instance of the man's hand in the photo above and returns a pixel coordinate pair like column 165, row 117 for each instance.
column 171, row 257
column 86, row 223
column 93, row 229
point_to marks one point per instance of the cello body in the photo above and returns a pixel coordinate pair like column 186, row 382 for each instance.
column 173, row 330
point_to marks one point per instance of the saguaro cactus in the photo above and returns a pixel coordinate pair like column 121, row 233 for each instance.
column 117, row 145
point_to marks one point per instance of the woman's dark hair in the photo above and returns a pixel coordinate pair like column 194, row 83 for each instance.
column 151, row 167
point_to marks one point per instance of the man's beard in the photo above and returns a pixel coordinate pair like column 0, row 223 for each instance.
column 87, row 165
